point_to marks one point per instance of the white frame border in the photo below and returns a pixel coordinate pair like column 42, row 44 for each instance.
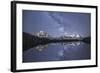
column 21, row 66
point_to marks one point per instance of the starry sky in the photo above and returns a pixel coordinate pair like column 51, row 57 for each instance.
column 57, row 23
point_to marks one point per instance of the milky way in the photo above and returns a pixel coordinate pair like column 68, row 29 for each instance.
column 56, row 23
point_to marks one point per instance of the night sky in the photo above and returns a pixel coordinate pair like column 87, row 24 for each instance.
column 56, row 23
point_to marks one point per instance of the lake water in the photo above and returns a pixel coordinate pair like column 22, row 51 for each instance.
column 58, row 52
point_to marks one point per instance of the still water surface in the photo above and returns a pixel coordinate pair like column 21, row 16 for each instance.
column 58, row 52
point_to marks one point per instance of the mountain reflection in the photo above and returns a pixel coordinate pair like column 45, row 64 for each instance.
column 41, row 47
column 58, row 52
column 64, row 44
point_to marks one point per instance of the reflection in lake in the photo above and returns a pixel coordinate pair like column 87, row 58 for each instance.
column 58, row 52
